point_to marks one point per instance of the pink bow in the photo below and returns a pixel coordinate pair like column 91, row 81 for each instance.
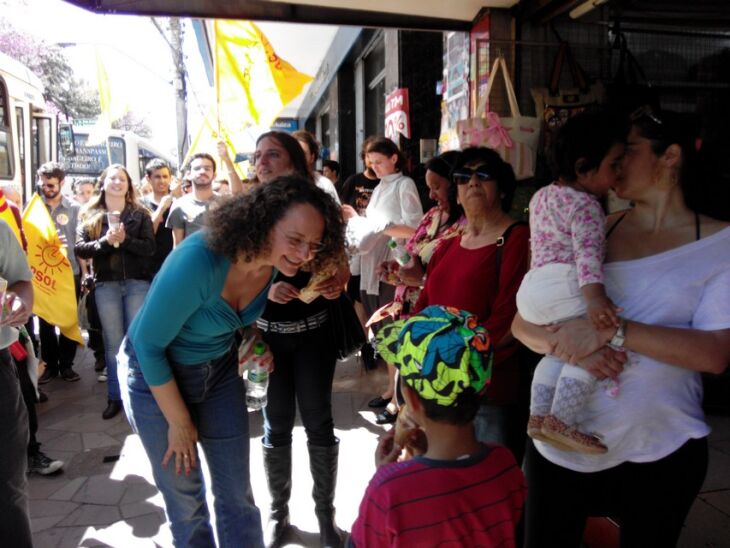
column 496, row 134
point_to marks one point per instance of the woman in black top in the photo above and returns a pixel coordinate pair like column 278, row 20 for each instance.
column 300, row 338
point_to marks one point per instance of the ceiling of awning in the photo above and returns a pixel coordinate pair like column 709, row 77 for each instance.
column 416, row 14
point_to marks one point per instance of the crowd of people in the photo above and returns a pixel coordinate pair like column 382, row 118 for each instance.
column 627, row 309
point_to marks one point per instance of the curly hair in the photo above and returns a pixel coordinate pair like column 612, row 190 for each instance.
column 240, row 226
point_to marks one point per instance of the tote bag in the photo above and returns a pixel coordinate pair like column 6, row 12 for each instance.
column 516, row 138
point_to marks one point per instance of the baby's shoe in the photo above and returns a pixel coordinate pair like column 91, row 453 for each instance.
column 569, row 436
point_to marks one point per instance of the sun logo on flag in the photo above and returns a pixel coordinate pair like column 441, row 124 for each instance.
column 51, row 258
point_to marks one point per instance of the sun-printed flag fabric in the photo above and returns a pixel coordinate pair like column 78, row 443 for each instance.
column 7, row 215
column 53, row 280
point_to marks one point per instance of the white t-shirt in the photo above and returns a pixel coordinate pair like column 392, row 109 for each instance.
column 659, row 406
column 325, row 184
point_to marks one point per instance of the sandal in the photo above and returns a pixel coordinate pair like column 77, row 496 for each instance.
column 386, row 417
column 379, row 402
column 569, row 436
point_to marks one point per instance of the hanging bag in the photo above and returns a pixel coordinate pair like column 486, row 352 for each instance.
column 629, row 88
column 516, row 138
column 557, row 105
column 347, row 332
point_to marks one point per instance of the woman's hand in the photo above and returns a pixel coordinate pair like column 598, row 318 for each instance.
column 283, row 292
column 331, row 287
column 348, row 212
column 14, row 311
column 181, row 443
column 387, row 450
column 116, row 235
column 576, row 339
column 606, row 363
column 246, row 352
column 412, row 273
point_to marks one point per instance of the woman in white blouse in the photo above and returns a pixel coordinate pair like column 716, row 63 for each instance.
column 668, row 268
column 394, row 202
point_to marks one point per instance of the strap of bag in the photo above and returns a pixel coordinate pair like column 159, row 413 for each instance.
column 580, row 80
column 501, row 241
column 500, row 64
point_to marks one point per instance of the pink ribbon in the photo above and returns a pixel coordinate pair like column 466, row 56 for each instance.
column 496, row 134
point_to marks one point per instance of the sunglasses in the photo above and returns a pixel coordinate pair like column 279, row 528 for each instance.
column 645, row 111
column 463, row 175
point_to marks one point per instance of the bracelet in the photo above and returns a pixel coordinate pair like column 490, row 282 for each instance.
column 617, row 341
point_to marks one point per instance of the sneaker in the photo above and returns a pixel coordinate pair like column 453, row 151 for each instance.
column 99, row 365
column 48, row 375
column 41, row 464
column 70, row 375
column 102, row 376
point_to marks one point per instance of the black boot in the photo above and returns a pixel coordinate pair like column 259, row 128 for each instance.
column 323, row 464
column 277, row 465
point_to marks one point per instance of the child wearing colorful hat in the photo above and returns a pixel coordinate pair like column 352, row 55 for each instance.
column 459, row 491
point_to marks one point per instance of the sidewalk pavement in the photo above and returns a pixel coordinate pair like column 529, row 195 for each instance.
column 105, row 495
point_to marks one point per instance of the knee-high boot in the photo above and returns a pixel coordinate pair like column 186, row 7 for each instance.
column 323, row 464
column 277, row 465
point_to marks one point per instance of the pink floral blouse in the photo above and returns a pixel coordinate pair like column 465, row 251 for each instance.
column 568, row 226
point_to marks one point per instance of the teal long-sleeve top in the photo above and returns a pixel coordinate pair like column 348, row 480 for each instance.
column 184, row 318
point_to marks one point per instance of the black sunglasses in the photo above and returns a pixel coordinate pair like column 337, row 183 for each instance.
column 648, row 112
column 463, row 175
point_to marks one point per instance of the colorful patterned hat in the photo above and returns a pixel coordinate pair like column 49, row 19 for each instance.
column 440, row 352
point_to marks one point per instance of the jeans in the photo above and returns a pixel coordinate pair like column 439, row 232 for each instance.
column 216, row 399
column 58, row 351
column 117, row 304
column 304, row 366
column 14, row 521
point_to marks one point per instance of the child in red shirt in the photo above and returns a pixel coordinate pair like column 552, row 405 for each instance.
column 459, row 492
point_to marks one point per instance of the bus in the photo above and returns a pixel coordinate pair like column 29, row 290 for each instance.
column 84, row 160
column 28, row 130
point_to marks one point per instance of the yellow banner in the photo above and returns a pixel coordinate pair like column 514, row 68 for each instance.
column 7, row 216
column 53, row 280
column 253, row 84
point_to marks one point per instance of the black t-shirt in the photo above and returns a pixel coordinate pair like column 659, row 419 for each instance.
column 163, row 236
column 357, row 191
column 294, row 309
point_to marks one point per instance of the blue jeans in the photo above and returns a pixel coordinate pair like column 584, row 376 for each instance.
column 216, row 399
column 117, row 304
column 304, row 366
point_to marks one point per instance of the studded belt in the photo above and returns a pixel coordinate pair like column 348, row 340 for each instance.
column 299, row 326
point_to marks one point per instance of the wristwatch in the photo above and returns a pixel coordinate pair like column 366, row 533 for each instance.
column 617, row 341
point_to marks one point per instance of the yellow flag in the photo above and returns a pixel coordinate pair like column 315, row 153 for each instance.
column 7, row 216
column 253, row 84
column 54, row 297
column 112, row 105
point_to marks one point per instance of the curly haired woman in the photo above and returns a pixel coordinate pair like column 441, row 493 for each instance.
column 180, row 358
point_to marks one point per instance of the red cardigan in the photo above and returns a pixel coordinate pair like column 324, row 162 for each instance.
column 467, row 279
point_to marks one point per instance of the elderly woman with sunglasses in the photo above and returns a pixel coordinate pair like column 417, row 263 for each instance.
column 480, row 271
column 296, row 326
column 668, row 267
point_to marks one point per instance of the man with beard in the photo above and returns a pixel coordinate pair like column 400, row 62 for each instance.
column 158, row 202
column 186, row 214
column 57, row 350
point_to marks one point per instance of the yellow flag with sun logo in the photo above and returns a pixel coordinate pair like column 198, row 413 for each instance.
column 54, row 297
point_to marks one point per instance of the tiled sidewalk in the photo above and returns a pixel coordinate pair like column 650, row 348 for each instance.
column 101, row 501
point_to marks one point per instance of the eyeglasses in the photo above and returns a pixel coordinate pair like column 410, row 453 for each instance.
column 463, row 175
column 299, row 244
column 647, row 111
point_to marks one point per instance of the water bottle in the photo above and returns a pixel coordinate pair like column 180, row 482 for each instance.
column 400, row 253
column 257, row 380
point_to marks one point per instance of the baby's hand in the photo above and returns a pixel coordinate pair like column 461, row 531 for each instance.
column 602, row 312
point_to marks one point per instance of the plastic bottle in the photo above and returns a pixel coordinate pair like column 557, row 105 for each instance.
column 400, row 253
column 257, row 380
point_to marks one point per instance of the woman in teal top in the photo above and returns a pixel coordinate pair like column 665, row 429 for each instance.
column 179, row 362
